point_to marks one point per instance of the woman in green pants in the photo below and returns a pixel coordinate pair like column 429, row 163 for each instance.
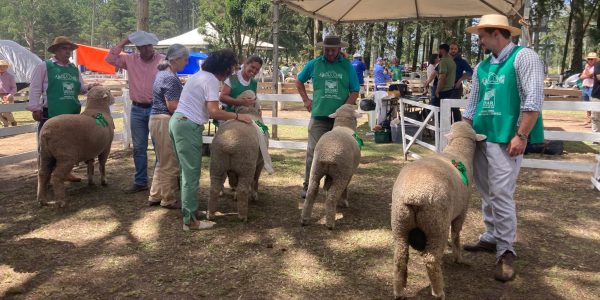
column 198, row 103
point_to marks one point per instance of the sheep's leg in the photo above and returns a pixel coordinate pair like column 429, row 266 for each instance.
column 243, row 194
column 344, row 199
column 335, row 192
column 216, row 186
column 455, row 234
column 44, row 173
column 90, row 171
column 437, row 236
column 311, row 196
column 400, row 262
column 259, row 167
column 58, row 180
column 102, row 158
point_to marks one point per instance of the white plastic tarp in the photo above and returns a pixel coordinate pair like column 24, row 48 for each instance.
column 193, row 38
column 392, row 10
column 22, row 61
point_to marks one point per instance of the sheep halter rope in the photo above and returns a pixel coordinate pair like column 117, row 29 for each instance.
column 463, row 171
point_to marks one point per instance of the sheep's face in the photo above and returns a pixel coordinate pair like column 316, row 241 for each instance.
column 100, row 96
column 247, row 110
column 464, row 130
column 346, row 116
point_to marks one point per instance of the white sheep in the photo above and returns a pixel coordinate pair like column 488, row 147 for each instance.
column 336, row 157
column 68, row 139
column 428, row 196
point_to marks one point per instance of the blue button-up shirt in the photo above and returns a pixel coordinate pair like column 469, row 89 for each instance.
column 462, row 66
column 360, row 68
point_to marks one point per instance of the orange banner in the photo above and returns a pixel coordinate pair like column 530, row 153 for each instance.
column 93, row 59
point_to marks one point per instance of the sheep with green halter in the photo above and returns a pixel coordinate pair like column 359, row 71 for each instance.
column 429, row 197
column 336, row 157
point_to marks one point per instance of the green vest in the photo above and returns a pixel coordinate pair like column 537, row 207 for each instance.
column 63, row 89
column 331, row 86
column 237, row 88
column 396, row 72
column 499, row 104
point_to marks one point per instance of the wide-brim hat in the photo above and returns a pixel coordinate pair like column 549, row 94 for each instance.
column 332, row 41
column 356, row 55
column 593, row 55
column 61, row 40
column 494, row 21
column 4, row 63
column 142, row 38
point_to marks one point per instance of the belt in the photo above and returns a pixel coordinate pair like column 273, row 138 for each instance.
column 142, row 105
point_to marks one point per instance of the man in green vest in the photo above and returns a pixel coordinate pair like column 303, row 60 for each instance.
column 335, row 83
column 56, row 85
column 396, row 69
column 505, row 104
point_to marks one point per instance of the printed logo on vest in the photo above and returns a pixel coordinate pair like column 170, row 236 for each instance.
column 68, row 88
column 330, row 75
column 331, row 87
column 493, row 79
column 65, row 76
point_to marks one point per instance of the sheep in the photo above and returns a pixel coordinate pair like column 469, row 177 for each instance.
column 237, row 153
column 68, row 139
column 428, row 197
column 336, row 156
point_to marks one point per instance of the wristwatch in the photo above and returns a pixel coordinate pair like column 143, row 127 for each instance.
column 522, row 136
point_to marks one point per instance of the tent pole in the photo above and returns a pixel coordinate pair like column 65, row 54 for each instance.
column 275, row 63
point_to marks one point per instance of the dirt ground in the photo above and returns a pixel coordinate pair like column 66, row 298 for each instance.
column 106, row 244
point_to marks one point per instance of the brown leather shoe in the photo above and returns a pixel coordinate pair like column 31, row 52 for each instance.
column 480, row 246
column 504, row 267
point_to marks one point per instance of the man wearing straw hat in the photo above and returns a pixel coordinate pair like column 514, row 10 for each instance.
column 334, row 84
column 8, row 87
column 505, row 104
column 141, row 70
column 55, row 86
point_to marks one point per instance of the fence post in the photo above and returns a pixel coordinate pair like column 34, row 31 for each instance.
column 126, row 114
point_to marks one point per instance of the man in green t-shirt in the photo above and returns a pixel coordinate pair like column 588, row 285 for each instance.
column 446, row 76
column 504, row 104
column 335, row 83
column 396, row 69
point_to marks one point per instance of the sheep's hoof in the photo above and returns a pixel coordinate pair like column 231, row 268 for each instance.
column 91, row 183
column 61, row 204
column 243, row 219
column 303, row 222
column 104, row 183
column 254, row 196
column 43, row 203
column 462, row 261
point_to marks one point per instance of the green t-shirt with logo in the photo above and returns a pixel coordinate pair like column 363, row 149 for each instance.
column 332, row 83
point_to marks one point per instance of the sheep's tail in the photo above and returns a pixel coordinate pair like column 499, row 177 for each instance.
column 417, row 239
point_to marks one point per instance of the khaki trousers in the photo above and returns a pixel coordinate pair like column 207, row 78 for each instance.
column 166, row 172
column 7, row 117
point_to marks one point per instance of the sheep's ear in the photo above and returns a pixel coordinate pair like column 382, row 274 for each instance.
column 449, row 136
column 480, row 137
column 357, row 114
column 333, row 115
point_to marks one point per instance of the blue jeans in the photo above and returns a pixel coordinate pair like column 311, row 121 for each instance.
column 140, row 117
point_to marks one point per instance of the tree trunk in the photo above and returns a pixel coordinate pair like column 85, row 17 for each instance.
column 368, row 42
column 383, row 39
column 317, row 36
column 350, row 39
column 374, row 45
column 417, row 46
column 399, row 33
column 567, row 40
column 142, row 15
column 576, row 59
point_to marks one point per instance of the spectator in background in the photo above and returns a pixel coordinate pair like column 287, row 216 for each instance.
column 141, row 70
column 293, row 71
column 8, row 88
column 595, row 96
column 285, row 71
column 380, row 75
column 463, row 71
column 396, row 69
column 587, row 77
column 433, row 62
column 166, row 92
column 359, row 67
column 446, row 75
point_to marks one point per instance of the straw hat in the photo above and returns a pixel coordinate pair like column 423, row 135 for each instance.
column 61, row 40
column 332, row 41
column 356, row 55
column 494, row 21
column 4, row 63
column 593, row 55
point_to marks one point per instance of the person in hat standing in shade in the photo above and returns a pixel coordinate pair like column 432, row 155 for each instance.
column 505, row 104
column 55, row 86
column 141, row 69
column 8, row 87
column 334, row 84
column 587, row 77
column 359, row 67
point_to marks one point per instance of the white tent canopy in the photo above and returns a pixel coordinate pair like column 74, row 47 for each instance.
column 193, row 38
column 337, row 11
column 22, row 61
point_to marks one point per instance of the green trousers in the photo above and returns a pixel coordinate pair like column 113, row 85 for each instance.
column 187, row 141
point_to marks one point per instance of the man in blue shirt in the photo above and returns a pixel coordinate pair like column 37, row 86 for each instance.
column 359, row 67
column 463, row 70
column 334, row 84
column 380, row 75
